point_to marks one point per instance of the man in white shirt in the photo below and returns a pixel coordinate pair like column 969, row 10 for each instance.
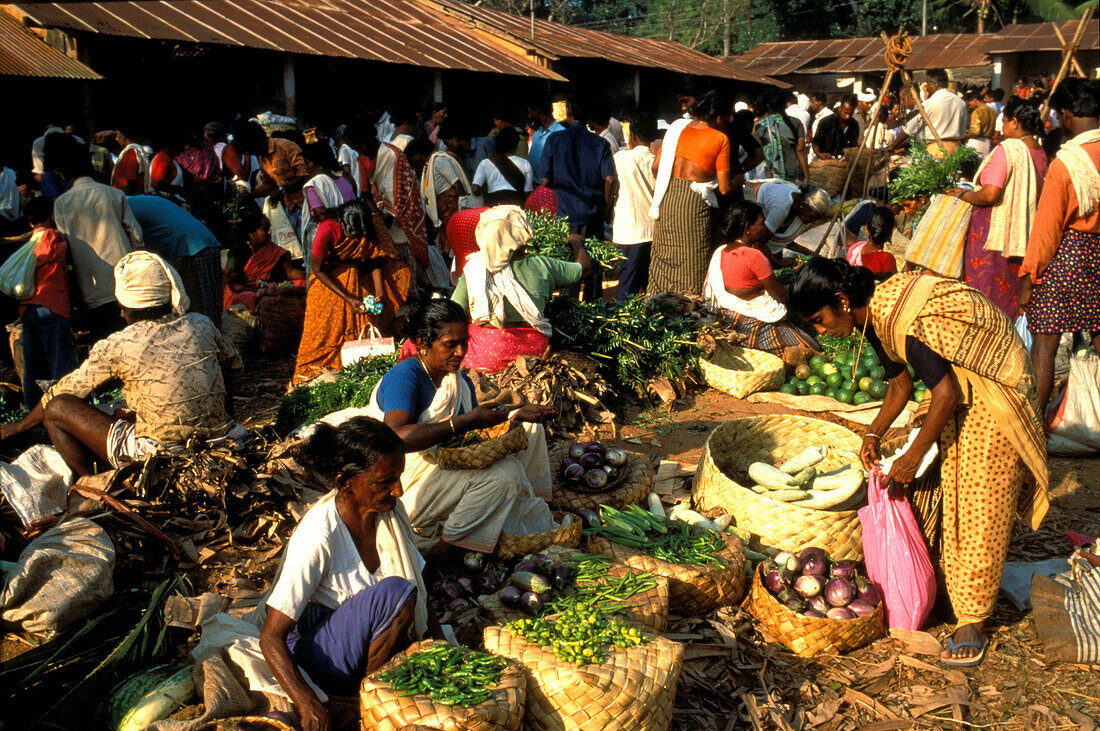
column 947, row 113
column 633, row 226
column 863, row 113
column 38, row 148
column 819, row 108
column 794, row 111
column 101, row 229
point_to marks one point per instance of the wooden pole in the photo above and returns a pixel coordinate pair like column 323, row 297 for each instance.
column 1062, row 39
column 1068, row 53
column 908, row 81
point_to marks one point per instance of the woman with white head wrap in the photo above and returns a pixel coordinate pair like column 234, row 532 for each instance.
column 505, row 290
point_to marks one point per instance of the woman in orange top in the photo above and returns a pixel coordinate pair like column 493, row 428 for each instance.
column 694, row 163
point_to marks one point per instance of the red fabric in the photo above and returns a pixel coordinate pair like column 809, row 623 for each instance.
column 162, row 169
column 706, row 147
column 51, row 278
column 542, row 199
column 407, row 207
column 493, row 349
column 202, row 163
column 259, row 267
column 744, row 267
column 460, row 234
column 366, row 171
column 328, row 233
column 127, row 173
column 880, row 262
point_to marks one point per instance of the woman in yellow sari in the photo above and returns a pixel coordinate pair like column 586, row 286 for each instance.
column 352, row 257
column 982, row 415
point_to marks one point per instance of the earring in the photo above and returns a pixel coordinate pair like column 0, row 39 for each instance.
column 845, row 308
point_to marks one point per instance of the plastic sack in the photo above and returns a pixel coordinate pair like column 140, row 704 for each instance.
column 1076, row 415
column 37, row 483
column 1023, row 332
column 896, row 556
column 17, row 271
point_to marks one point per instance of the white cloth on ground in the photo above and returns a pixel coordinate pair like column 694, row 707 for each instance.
column 36, row 484
column 763, row 307
column 490, row 280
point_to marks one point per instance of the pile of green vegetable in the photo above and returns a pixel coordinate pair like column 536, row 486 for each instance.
column 550, row 238
column 661, row 538
column 592, row 587
column 580, row 635
column 853, row 377
column 448, row 674
column 352, row 387
column 926, row 175
column 633, row 341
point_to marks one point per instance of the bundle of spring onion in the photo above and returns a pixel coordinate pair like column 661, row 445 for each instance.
column 580, row 635
column 667, row 540
column 448, row 674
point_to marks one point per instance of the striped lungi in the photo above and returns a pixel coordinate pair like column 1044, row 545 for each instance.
column 771, row 337
column 203, row 281
column 682, row 241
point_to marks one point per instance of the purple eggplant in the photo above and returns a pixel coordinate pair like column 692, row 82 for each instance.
column 574, row 473
column 596, row 478
column 861, row 608
column 868, row 592
column 796, row 604
column 785, row 595
column 612, row 472
column 812, row 551
column 491, row 579
column 818, row 603
column 474, row 561
column 566, row 461
column 532, row 602
column 774, row 582
column 546, row 597
column 815, row 565
column 526, row 565
column 808, row 586
column 589, row 460
column 590, row 517
column 840, row 613
column 531, row 581
column 510, row 596
column 787, row 575
column 839, row 592
column 576, row 450
column 595, row 448
column 545, row 564
column 615, row 457
column 561, row 575
column 467, row 584
column 843, row 570
column 813, row 613
column 459, row 605
column 453, row 588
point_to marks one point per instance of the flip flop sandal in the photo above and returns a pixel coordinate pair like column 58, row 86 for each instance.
column 965, row 662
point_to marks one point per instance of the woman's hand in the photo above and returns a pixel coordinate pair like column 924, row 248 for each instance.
column 534, row 413
column 357, row 306
column 1025, row 293
column 869, row 454
column 485, row 415
column 314, row 716
column 903, row 471
column 954, row 192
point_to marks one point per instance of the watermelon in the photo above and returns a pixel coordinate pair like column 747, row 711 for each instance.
column 148, row 696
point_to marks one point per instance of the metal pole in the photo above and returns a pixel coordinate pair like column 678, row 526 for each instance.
column 532, row 21
column 290, row 92
column 924, row 17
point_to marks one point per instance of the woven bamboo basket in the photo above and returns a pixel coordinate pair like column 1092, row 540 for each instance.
column 258, row 723
column 636, row 483
column 809, row 636
column 830, row 175
column 633, row 690
column 649, row 609
column 384, row 710
column 692, row 590
column 567, row 534
column 281, row 312
column 506, row 438
column 742, row 371
column 720, row 479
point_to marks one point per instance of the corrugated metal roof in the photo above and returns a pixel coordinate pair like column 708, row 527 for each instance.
column 22, row 53
column 945, row 50
column 393, row 31
column 566, row 41
column 1041, row 37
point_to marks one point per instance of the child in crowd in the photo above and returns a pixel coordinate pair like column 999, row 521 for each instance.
column 870, row 253
column 49, row 351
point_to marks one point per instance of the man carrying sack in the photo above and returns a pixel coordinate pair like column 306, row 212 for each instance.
column 175, row 370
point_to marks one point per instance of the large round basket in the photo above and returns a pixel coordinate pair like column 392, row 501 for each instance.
column 568, row 534
column 720, row 480
column 636, row 483
column 809, row 636
column 649, row 608
column 633, row 690
column 383, row 709
column 258, row 723
column 742, row 371
column 501, row 440
column 693, row 591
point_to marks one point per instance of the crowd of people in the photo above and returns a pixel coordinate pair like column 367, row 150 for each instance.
column 141, row 245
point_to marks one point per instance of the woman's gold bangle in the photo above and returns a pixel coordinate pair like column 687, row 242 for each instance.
column 451, row 420
column 873, row 436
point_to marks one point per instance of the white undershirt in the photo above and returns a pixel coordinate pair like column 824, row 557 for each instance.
column 489, row 178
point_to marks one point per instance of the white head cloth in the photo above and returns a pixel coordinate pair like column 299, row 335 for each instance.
column 143, row 279
column 325, row 188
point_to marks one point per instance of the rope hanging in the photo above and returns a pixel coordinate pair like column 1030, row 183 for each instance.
column 898, row 50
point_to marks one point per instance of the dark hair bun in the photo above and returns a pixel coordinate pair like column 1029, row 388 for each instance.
column 817, row 283
column 428, row 313
column 349, row 448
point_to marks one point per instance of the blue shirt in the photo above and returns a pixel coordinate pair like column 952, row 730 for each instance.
column 167, row 229
column 576, row 162
column 538, row 140
column 407, row 387
column 52, row 185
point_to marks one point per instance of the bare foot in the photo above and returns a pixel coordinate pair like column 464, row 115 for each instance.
column 965, row 633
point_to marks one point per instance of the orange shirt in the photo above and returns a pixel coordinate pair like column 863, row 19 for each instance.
column 1057, row 212
column 706, row 147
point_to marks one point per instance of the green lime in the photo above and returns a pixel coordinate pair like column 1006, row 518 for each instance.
column 861, row 398
column 842, row 359
column 817, row 361
column 844, row 396
column 865, row 383
column 789, row 388
column 877, row 372
column 861, row 371
column 803, row 388
column 870, row 360
column 878, row 390
column 849, row 385
column 831, row 393
column 815, row 379
column 817, row 389
column 829, row 368
column 834, row 380
column 803, row 372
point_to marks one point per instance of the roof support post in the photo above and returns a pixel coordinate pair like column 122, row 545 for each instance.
column 437, row 86
column 290, row 91
column 637, row 87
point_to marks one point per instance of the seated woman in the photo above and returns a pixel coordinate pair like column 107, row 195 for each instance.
column 349, row 589
column 870, row 253
column 505, row 290
column 257, row 260
column 428, row 402
column 741, row 282
column 353, row 257
column 504, row 180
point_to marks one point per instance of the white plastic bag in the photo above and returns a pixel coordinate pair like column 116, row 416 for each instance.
column 366, row 347
column 1023, row 332
column 17, row 271
column 1076, row 419
column 36, row 483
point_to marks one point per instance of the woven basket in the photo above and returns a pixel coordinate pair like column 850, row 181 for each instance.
column 567, row 534
column 382, row 709
column 506, row 438
column 693, row 591
column 632, row 690
column 741, row 371
column 830, row 175
column 258, row 723
column 809, row 636
column 637, row 482
column 736, row 444
column 649, row 609
column 281, row 312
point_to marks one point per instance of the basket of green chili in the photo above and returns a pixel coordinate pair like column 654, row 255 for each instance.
column 705, row 569
column 589, row 670
column 440, row 685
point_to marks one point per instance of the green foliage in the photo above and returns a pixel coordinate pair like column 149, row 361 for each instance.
column 550, row 238
column 926, row 175
column 699, row 24
column 1054, row 10
column 352, row 388
column 876, row 16
column 835, row 346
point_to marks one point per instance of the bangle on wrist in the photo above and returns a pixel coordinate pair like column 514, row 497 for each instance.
column 872, row 436
column 451, row 420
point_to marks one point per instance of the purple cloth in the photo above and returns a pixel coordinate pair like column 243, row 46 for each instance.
column 313, row 201
column 987, row 271
column 332, row 645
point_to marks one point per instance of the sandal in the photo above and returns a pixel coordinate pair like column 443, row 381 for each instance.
column 965, row 662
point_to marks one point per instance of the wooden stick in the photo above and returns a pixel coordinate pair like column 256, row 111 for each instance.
column 908, row 81
column 1062, row 39
column 1068, row 53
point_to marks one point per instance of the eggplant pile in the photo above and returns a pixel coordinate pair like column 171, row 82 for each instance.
column 814, row 585
column 478, row 575
column 536, row 582
column 591, row 467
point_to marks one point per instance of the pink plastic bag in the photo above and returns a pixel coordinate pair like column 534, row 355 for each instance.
column 896, row 556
